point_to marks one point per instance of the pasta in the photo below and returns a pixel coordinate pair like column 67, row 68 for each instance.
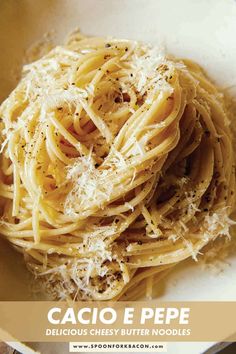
column 116, row 165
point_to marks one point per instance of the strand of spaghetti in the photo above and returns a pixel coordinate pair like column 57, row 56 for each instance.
column 109, row 211
column 44, row 233
column 17, row 227
column 139, row 291
column 53, row 147
column 80, row 147
column 137, row 278
column 35, row 219
column 149, row 287
column 98, row 122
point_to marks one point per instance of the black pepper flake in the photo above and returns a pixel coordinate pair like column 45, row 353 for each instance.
column 107, row 45
column 118, row 275
column 140, row 242
column 117, row 99
column 126, row 49
column 126, row 97
column 216, row 174
column 205, row 209
column 208, row 198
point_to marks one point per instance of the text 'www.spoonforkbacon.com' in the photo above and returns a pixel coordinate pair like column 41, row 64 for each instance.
column 101, row 347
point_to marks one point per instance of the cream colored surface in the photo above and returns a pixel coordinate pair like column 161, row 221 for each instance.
column 200, row 30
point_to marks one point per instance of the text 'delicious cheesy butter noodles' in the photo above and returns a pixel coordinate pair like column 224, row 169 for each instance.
column 116, row 164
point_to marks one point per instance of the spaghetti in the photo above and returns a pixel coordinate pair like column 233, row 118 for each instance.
column 116, row 164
